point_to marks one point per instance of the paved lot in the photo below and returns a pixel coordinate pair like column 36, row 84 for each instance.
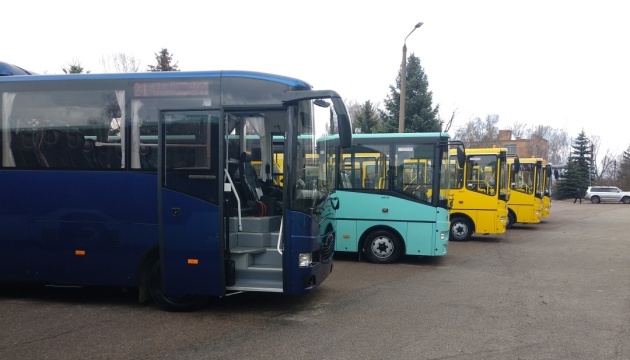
column 555, row 290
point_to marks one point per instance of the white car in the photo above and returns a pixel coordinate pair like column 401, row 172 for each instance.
column 598, row 194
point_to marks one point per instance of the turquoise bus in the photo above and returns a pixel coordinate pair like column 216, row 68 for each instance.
column 144, row 180
column 392, row 193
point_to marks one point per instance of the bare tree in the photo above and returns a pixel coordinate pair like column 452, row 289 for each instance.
column 353, row 108
column 519, row 130
column 604, row 171
column 120, row 63
column 478, row 133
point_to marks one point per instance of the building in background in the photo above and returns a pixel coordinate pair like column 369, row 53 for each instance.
column 535, row 147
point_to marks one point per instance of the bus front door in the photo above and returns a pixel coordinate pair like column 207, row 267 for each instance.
column 190, row 220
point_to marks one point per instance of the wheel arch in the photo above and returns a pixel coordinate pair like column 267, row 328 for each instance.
column 151, row 256
column 371, row 229
column 465, row 216
column 510, row 211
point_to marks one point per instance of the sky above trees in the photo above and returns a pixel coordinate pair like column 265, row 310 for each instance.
column 559, row 63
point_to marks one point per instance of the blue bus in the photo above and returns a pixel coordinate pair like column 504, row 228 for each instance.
column 145, row 180
column 392, row 191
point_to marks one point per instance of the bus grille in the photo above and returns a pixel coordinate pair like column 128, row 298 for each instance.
column 328, row 247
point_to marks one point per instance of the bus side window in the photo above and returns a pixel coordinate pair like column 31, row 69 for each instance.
column 345, row 180
column 49, row 148
column 75, row 150
column 23, row 150
column 148, row 158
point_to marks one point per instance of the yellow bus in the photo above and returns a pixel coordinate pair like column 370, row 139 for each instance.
column 526, row 189
column 479, row 193
column 546, row 200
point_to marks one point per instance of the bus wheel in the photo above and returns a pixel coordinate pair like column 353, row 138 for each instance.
column 382, row 247
column 171, row 303
column 461, row 229
column 511, row 219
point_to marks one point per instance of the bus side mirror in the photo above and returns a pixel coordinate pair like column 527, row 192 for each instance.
column 461, row 157
column 345, row 130
column 516, row 166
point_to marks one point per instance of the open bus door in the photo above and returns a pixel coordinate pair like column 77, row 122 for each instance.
column 190, row 225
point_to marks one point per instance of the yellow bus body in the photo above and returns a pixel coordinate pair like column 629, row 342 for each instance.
column 479, row 193
column 526, row 188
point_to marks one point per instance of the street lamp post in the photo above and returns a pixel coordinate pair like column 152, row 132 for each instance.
column 403, row 83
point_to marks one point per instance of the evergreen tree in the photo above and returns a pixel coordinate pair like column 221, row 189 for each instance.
column 420, row 116
column 164, row 62
column 623, row 174
column 74, row 68
column 366, row 118
column 578, row 168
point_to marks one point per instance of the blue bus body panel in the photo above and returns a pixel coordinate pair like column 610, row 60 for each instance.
column 193, row 261
column 307, row 237
column 10, row 69
column 76, row 227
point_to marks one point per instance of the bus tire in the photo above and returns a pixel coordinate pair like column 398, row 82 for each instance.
column 382, row 247
column 511, row 219
column 169, row 303
column 461, row 229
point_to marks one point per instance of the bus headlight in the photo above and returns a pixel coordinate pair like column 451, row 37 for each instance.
column 305, row 259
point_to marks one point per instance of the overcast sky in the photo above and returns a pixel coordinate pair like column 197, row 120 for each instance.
column 562, row 63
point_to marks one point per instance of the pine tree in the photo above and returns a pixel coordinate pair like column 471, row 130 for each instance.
column 623, row 174
column 420, row 116
column 366, row 118
column 164, row 62
column 74, row 68
column 578, row 168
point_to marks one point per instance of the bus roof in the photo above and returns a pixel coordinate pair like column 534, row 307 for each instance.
column 481, row 151
column 9, row 69
column 289, row 81
column 393, row 136
column 527, row 160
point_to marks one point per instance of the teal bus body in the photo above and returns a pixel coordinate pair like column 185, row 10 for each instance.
column 391, row 194
column 142, row 180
